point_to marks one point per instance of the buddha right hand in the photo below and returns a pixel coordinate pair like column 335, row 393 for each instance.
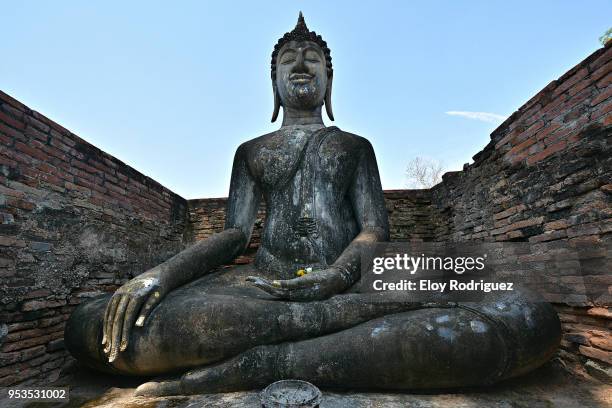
column 136, row 298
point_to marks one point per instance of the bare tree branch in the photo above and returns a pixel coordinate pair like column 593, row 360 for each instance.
column 423, row 173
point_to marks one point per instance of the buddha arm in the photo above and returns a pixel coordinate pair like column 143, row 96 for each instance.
column 370, row 212
column 222, row 247
column 139, row 296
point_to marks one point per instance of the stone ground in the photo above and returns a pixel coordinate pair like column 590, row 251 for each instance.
column 549, row 386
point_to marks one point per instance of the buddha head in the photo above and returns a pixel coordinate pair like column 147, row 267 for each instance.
column 301, row 71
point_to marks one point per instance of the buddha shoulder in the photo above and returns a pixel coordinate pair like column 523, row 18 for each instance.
column 281, row 148
column 285, row 138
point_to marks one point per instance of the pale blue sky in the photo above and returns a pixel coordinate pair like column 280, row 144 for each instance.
column 172, row 88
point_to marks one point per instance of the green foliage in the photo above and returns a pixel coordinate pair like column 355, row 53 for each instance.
column 606, row 37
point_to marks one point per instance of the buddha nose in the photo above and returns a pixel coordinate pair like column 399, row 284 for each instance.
column 300, row 67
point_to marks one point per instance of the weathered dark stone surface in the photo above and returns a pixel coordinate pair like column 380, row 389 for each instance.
column 75, row 223
column 324, row 202
column 546, row 387
column 545, row 177
column 42, row 162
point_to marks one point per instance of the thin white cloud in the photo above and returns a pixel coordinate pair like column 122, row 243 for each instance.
column 482, row 116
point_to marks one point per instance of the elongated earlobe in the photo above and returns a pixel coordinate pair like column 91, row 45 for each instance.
column 328, row 94
column 276, row 103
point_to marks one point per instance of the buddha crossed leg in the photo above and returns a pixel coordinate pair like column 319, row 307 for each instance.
column 241, row 327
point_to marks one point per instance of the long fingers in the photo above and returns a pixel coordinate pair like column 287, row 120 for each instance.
column 106, row 313
column 117, row 327
column 120, row 317
column 152, row 301
column 274, row 288
column 303, row 282
column 108, row 322
column 128, row 321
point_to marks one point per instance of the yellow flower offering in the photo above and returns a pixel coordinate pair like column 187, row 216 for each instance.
column 300, row 273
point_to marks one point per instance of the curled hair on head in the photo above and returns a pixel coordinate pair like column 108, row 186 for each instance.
column 301, row 33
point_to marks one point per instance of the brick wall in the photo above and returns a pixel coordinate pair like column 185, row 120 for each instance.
column 546, row 176
column 74, row 222
column 411, row 215
column 207, row 216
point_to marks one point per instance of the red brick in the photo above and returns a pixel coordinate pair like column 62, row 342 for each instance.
column 36, row 134
column 8, row 347
column 32, row 151
column 92, row 186
column 80, row 174
column 546, row 152
column 23, row 204
column 33, row 121
column 23, row 355
column 102, row 167
column 585, row 83
column 519, row 157
column 9, row 131
column 600, row 339
column 111, row 179
column 24, row 334
column 548, row 236
column 551, row 128
column 115, row 188
column 50, row 321
column 601, row 110
column 12, row 101
column 86, row 167
column 596, row 353
column 603, row 312
column 9, row 120
column 521, row 146
column 510, row 211
column 600, row 67
column 74, row 187
column 524, row 223
column 22, row 326
column 57, row 142
column 570, row 134
column 605, row 81
column 11, row 192
column 41, row 304
column 603, row 95
column 579, row 100
column 37, row 293
column 532, row 130
column 569, row 82
column 556, row 225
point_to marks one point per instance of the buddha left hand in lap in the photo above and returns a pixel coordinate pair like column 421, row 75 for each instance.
column 323, row 200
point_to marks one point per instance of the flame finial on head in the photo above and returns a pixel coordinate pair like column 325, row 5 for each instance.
column 301, row 24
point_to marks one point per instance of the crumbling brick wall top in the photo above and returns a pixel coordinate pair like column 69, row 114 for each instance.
column 75, row 222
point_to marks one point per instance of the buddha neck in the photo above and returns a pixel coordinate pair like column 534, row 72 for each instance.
column 293, row 117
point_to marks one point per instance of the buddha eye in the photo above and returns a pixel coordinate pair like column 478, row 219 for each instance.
column 288, row 58
column 312, row 57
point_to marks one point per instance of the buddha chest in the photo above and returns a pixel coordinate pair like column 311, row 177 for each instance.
column 283, row 161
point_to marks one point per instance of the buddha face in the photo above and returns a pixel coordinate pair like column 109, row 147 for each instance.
column 301, row 75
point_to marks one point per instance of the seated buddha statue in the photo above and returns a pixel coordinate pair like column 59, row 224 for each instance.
column 197, row 327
